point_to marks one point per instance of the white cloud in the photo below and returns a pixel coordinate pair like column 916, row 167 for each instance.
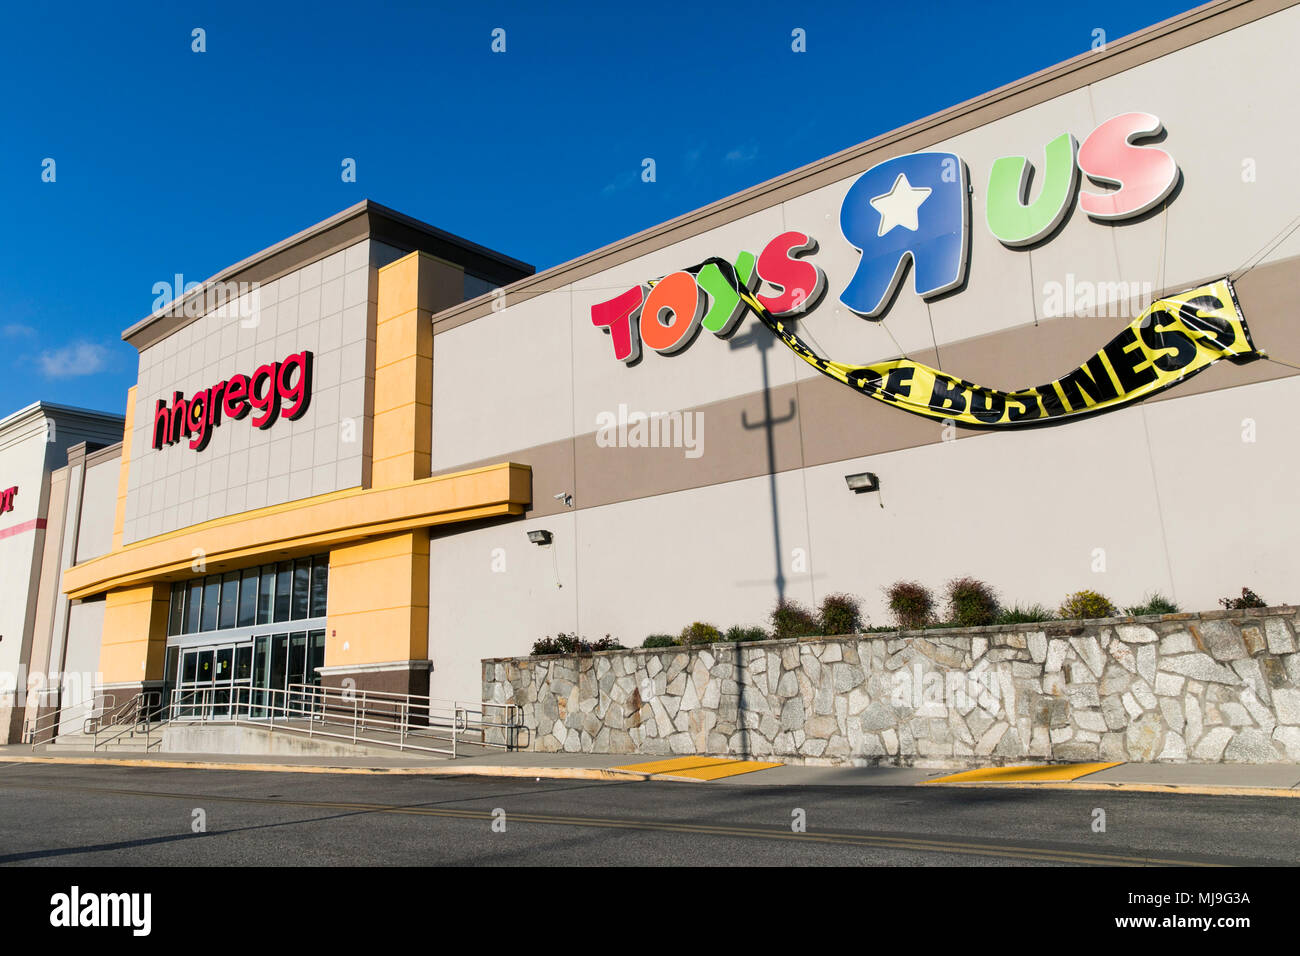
column 16, row 330
column 624, row 181
column 742, row 154
column 76, row 358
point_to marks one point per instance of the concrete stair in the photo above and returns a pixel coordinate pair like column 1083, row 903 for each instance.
column 129, row 742
column 292, row 737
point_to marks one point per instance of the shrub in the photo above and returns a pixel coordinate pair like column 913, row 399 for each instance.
column 840, row 614
column 700, row 633
column 939, row 623
column 573, row 644
column 1155, row 603
column 1085, row 604
column 1248, row 599
column 971, row 603
column 659, row 640
column 1028, row 614
column 562, row 644
column 740, row 635
column 792, row 619
column 911, row 603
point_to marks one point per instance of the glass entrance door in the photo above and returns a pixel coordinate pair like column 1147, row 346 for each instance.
column 237, row 640
column 281, row 661
column 242, row 678
column 203, row 682
column 297, row 670
column 214, row 680
column 187, row 680
column 222, row 675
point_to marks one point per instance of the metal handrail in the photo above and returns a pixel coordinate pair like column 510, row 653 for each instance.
column 418, row 722
column 409, row 711
column 141, row 708
column 55, row 719
column 109, row 719
column 279, row 707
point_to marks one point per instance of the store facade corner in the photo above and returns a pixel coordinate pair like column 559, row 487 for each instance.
column 260, row 516
column 49, row 456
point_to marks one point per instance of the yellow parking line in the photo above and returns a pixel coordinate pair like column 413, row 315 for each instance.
column 1027, row 774
column 675, row 765
column 698, row 768
column 735, row 768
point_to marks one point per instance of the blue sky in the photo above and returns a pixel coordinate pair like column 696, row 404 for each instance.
column 169, row 161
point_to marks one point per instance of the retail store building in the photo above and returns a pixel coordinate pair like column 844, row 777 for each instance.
column 340, row 454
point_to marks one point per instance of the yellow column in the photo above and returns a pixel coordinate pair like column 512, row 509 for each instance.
column 410, row 291
column 379, row 601
column 135, row 634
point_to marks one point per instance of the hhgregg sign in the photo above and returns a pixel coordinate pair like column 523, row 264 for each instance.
column 280, row 389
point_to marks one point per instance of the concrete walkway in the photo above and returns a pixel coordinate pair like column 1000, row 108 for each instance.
column 1238, row 779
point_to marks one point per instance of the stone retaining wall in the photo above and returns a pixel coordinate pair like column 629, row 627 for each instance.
column 1209, row 687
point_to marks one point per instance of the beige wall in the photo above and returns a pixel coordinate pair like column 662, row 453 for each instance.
column 64, row 654
column 33, row 443
column 1167, row 494
column 99, row 497
column 23, row 451
column 1167, row 491
column 1216, row 110
column 80, row 674
column 326, row 307
column 31, row 446
column 38, row 659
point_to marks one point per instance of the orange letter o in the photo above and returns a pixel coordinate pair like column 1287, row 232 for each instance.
column 678, row 295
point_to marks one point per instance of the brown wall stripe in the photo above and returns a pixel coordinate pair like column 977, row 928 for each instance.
column 833, row 423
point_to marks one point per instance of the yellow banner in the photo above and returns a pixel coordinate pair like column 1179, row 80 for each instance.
column 1172, row 340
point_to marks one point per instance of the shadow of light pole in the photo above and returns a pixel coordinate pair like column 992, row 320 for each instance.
column 759, row 337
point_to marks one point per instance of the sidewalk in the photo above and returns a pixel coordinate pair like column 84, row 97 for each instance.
column 1232, row 779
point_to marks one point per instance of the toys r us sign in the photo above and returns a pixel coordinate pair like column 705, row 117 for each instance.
column 907, row 209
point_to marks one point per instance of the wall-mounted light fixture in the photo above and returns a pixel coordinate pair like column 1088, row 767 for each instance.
column 539, row 537
column 866, row 481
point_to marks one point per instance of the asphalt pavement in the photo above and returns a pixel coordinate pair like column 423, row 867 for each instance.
column 114, row 815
